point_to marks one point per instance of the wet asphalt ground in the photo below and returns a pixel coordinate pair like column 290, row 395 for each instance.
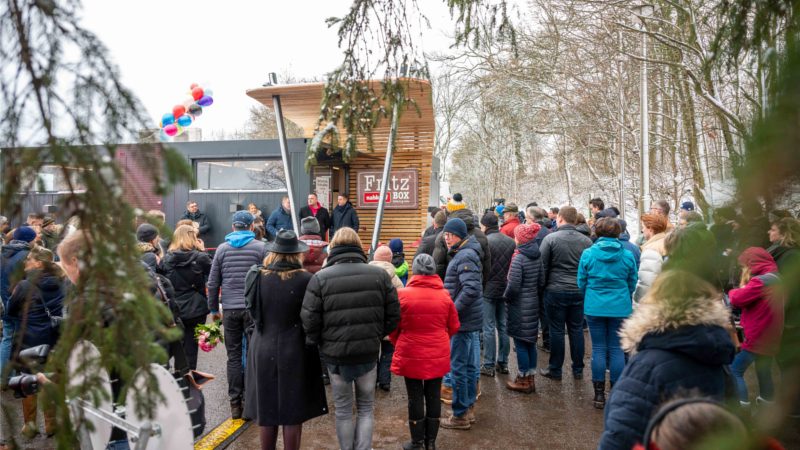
column 559, row 415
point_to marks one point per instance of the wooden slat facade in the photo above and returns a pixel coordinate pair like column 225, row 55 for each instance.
column 300, row 104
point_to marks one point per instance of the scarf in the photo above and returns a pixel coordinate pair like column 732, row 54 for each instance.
column 345, row 248
column 342, row 208
column 284, row 265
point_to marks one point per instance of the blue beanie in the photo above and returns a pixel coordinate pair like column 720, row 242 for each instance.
column 456, row 226
column 688, row 206
column 396, row 245
column 26, row 234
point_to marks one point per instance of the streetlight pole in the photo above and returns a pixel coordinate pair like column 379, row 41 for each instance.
column 643, row 12
column 619, row 135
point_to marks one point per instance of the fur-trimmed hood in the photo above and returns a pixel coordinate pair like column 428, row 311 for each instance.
column 145, row 247
column 667, row 316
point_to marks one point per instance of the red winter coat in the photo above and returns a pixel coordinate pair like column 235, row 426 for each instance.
column 509, row 226
column 314, row 257
column 761, row 302
column 428, row 319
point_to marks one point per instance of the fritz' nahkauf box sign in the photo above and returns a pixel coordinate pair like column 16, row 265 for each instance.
column 401, row 192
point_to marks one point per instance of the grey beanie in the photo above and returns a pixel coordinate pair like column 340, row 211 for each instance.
column 423, row 265
column 309, row 225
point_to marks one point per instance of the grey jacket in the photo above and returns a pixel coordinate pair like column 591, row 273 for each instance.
column 561, row 254
column 228, row 272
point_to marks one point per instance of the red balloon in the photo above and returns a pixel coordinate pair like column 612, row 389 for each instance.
column 178, row 110
column 194, row 85
column 197, row 93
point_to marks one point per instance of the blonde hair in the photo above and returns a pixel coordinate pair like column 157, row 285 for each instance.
column 183, row 239
column 276, row 257
column 46, row 257
column 345, row 236
column 184, row 222
column 72, row 245
column 746, row 276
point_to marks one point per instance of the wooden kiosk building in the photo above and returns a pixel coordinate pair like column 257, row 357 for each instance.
column 409, row 190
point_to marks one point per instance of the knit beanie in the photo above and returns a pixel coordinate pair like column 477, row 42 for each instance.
column 146, row 233
column 309, row 225
column 48, row 221
column 489, row 220
column 26, row 234
column 383, row 253
column 455, row 203
column 457, row 227
column 526, row 232
column 423, row 265
column 396, row 245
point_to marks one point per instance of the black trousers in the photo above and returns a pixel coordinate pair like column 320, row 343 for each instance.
column 190, row 345
column 235, row 321
column 544, row 324
column 422, row 393
column 385, row 363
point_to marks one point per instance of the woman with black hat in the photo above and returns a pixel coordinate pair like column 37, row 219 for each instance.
column 284, row 375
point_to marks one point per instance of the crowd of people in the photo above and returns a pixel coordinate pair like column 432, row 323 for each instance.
column 303, row 311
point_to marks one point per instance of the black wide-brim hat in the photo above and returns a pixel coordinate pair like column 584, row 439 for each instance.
column 286, row 242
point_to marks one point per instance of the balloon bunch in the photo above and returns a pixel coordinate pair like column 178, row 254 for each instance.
column 183, row 115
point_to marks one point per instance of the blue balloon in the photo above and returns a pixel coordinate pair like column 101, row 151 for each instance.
column 184, row 120
column 167, row 119
column 162, row 136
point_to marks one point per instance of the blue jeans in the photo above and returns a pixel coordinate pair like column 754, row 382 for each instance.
column 494, row 318
column 565, row 309
column 526, row 357
column 447, row 380
column 606, row 347
column 10, row 330
column 763, row 373
column 463, row 371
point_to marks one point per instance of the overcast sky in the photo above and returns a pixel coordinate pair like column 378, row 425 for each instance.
column 163, row 47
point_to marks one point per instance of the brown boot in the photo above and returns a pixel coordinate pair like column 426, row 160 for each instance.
column 456, row 423
column 447, row 395
column 531, row 383
column 29, row 410
column 471, row 414
column 49, row 421
column 520, row 384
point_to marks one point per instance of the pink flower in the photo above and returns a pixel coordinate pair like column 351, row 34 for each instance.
column 201, row 339
column 217, row 341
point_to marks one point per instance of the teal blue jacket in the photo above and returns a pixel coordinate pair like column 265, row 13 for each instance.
column 607, row 274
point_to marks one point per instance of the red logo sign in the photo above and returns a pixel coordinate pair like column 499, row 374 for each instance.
column 374, row 197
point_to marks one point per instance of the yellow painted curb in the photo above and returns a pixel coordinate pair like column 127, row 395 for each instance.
column 219, row 434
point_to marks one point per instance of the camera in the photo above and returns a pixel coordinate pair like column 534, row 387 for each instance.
column 27, row 385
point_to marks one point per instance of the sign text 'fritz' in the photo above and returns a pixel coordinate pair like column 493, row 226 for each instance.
column 401, row 189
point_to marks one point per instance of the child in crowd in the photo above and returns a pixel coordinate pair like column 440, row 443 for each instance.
column 383, row 259
column 399, row 260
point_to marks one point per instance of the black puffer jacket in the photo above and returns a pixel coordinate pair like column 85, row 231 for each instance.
column 187, row 270
column 441, row 250
column 525, row 286
column 349, row 307
column 428, row 243
column 502, row 249
column 561, row 254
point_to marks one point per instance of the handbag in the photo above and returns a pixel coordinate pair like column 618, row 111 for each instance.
column 55, row 321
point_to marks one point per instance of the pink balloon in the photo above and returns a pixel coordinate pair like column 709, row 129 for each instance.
column 171, row 130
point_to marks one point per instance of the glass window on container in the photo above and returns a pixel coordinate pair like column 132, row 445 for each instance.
column 245, row 174
column 53, row 178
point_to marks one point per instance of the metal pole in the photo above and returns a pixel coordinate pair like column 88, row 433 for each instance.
column 387, row 166
column 619, row 135
column 276, row 102
column 644, row 204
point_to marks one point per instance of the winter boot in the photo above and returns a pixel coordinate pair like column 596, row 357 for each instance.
column 599, row 394
column 431, row 431
column 471, row 414
column 417, row 428
column 29, row 411
column 520, row 384
column 531, row 383
column 49, row 421
column 456, row 423
column 447, row 395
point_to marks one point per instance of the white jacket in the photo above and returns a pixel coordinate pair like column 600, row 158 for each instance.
column 649, row 270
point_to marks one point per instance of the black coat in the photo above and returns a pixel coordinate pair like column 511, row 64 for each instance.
column 440, row 253
column 284, row 377
column 187, row 271
column 754, row 234
column 40, row 290
column 205, row 224
column 525, row 286
column 428, row 243
column 323, row 217
column 349, row 307
column 680, row 346
column 502, row 249
column 346, row 218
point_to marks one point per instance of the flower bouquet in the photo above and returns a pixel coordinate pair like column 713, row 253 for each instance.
column 208, row 335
